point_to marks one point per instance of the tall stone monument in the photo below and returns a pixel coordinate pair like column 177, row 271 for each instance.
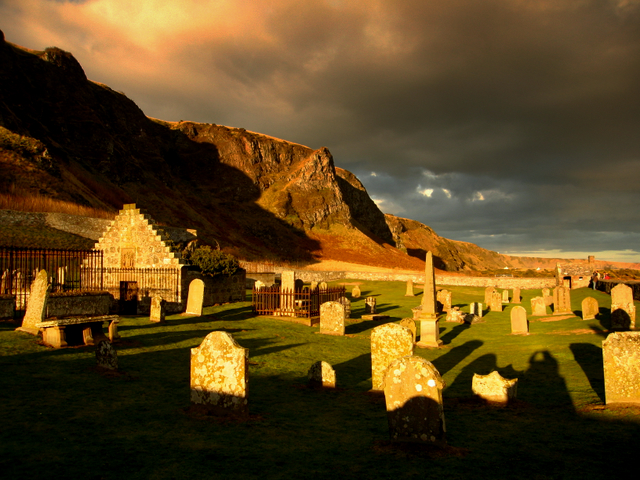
column 388, row 342
column 429, row 326
column 516, row 295
column 413, row 396
column 287, row 290
column 219, row 375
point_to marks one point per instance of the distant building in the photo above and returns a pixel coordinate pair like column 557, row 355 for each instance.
column 576, row 274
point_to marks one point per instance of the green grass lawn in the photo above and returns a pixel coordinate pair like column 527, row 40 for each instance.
column 60, row 418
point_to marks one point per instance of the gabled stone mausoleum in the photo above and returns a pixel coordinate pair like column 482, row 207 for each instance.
column 139, row 263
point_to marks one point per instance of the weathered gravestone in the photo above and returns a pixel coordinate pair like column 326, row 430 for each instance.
column 494, row 388
column 346, row 303
column 488, row 294
column 475, row 308
column 444, row 298
column 323, row 286
column 370, row 306
column 195, row 297
column 258, row 284
column 332, row 317
column 37, row 304
column 314, row 286
column 590, row 308
column 106, row 355
column 219, row 375
column 505, row 296
column 562, row 301
column 322, row 375
column 538, row 306
column 519, row 322
column 516, row 296
column 496, row 302
column 410, row 323
column 546, row 295
column 429, row 324
column 388, row 342
column 413, row 396
column 157, row 313
column 546, row 292
column 409, row 292
column 355, row 292
column 623, row 310
column 455, row 315
column 4, row 283
column 621, row 355
column 298, row 284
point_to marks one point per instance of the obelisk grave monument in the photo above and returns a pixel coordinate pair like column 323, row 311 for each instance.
column 429, row 327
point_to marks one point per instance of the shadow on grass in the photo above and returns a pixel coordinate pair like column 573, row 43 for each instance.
column 448, row 337
column 354, row 371
column 449, row 360
column 589, row 357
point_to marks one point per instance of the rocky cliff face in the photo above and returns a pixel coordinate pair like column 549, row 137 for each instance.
column 64, row 136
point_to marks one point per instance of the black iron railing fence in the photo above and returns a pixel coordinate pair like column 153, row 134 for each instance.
column 303, row 303
column 149, row 282
column 19, row 267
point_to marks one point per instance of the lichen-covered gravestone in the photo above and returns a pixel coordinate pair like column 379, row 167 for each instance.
column 355, row 292
column 538, row 306
column 590, row 308
column 388, row 342
column 409, row 292
column 195, row 297
column 106, row 355
column 413, row 396
column 322, row 375
column 455, row 315
column 37, row 304
column 621, row 355
column 370, row 306
column 519, row 322
column 157, row 309
column 623, row 310
column 219, row 375
column 332, row 317
column 494, row 388
column 410, row 323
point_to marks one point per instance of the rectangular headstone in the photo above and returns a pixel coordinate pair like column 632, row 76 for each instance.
column 195, row 297
column 332, row 317
column 519, row 322
column 590, row 308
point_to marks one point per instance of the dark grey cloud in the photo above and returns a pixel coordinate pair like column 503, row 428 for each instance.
column 521, row 117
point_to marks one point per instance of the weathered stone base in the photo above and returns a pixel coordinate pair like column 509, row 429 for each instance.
column 374, row 316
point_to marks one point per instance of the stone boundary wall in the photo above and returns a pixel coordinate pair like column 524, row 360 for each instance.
column 60, row 305
column 7, row 307
column 218, row 289
column 607, row 285
column 266, row 278
column 455, row 280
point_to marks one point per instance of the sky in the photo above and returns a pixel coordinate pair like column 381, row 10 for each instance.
column 511, row 124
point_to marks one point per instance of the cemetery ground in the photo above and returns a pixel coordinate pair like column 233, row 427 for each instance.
column 62, row 418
